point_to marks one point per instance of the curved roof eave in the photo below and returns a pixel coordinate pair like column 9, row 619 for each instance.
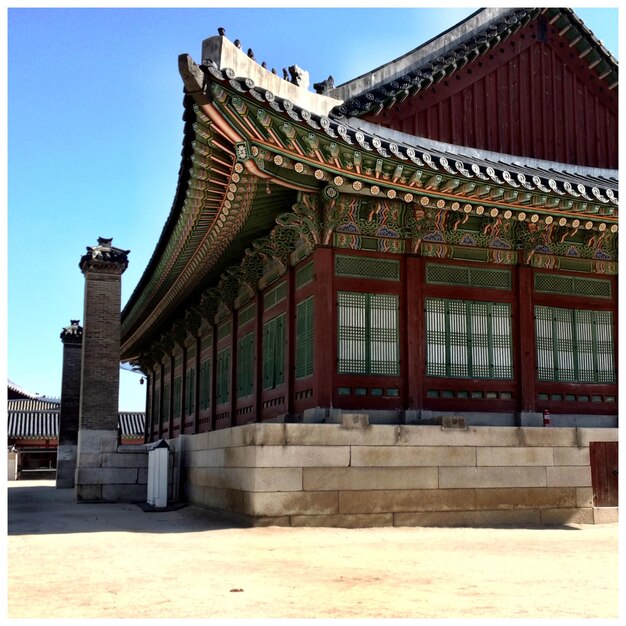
column 375, row 139
column 179, row 197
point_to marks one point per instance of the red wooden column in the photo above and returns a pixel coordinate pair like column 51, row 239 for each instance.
column 212, row 394
column 290, row 333
column 413, row 333
column 234, row 338
column 159, row 424
column 183, row 388
column 524, row 332
column 196, row 391
column 170, row 425
column 150, row 381
column 325, row 331
column 258, row 355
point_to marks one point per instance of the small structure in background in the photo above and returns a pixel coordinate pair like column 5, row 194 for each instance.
column 33, row 433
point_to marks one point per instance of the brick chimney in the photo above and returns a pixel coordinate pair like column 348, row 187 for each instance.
column 72, row 338
column 102, row 266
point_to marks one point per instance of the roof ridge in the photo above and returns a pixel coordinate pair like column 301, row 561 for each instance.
column 422, row 54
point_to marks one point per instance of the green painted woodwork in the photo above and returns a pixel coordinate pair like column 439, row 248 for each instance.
column 177, row 395
column 365, row 267
column 166, row 402
column 468, row 339
column 156, row 404
column 274, row 352
column 573, row 285
column 245, row 365
column 205, row 384
column 275, row 295
column 190, row 391
column 224, row 330
column 222, row 376
column 246, row 314
column 574, row 345
column 304, row 338
column 304, row 275
column 368, row 337
column 462, row 276
column 206, row 342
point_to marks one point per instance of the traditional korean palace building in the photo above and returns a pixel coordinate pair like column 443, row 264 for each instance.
column 435, row 238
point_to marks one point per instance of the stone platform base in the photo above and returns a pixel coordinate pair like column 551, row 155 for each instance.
column 605, row 515
column 386, row 475
column 66, row 466
column 108, row 472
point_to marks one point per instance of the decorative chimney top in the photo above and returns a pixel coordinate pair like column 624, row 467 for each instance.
column 72, row 333
column 104, row 257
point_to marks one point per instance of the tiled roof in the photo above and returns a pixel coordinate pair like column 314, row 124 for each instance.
column 23, row 405
column 590, row 184
column 132, row 424
column 33, row 424
column 40, row 419
column 16, row 389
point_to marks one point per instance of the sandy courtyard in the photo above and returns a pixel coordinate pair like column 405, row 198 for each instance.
column 115, row 561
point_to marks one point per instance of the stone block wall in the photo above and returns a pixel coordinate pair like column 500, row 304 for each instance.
column 384, row 475
column 117, row 473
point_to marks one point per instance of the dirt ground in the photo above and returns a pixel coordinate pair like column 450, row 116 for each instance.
column 116, row 561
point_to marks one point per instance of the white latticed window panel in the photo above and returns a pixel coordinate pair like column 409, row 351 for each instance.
column 368, row 334
column 574, row 345
column 466, row 339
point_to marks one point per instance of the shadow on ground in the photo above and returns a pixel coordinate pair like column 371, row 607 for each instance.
column 39, row 508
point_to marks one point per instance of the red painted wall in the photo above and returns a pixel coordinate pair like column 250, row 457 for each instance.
column 531, row 95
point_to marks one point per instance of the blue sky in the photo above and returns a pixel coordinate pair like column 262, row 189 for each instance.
column 95, row 132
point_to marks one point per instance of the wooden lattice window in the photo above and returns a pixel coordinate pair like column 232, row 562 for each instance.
column 368, row 334
column 304, row 275
column 177, row 395
column 468, row 339
column 156, row 403
column 246, row 314
column 574, row 345
column 224, row 329
column 573, row 285
column 366, row 267
column 190, row 391
column 274, row 352
column 205, row 384
column 275, row 295
column 245, row 365
column 304, row 338
column 166, row 402
column 438, row 274
column 222, row 376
